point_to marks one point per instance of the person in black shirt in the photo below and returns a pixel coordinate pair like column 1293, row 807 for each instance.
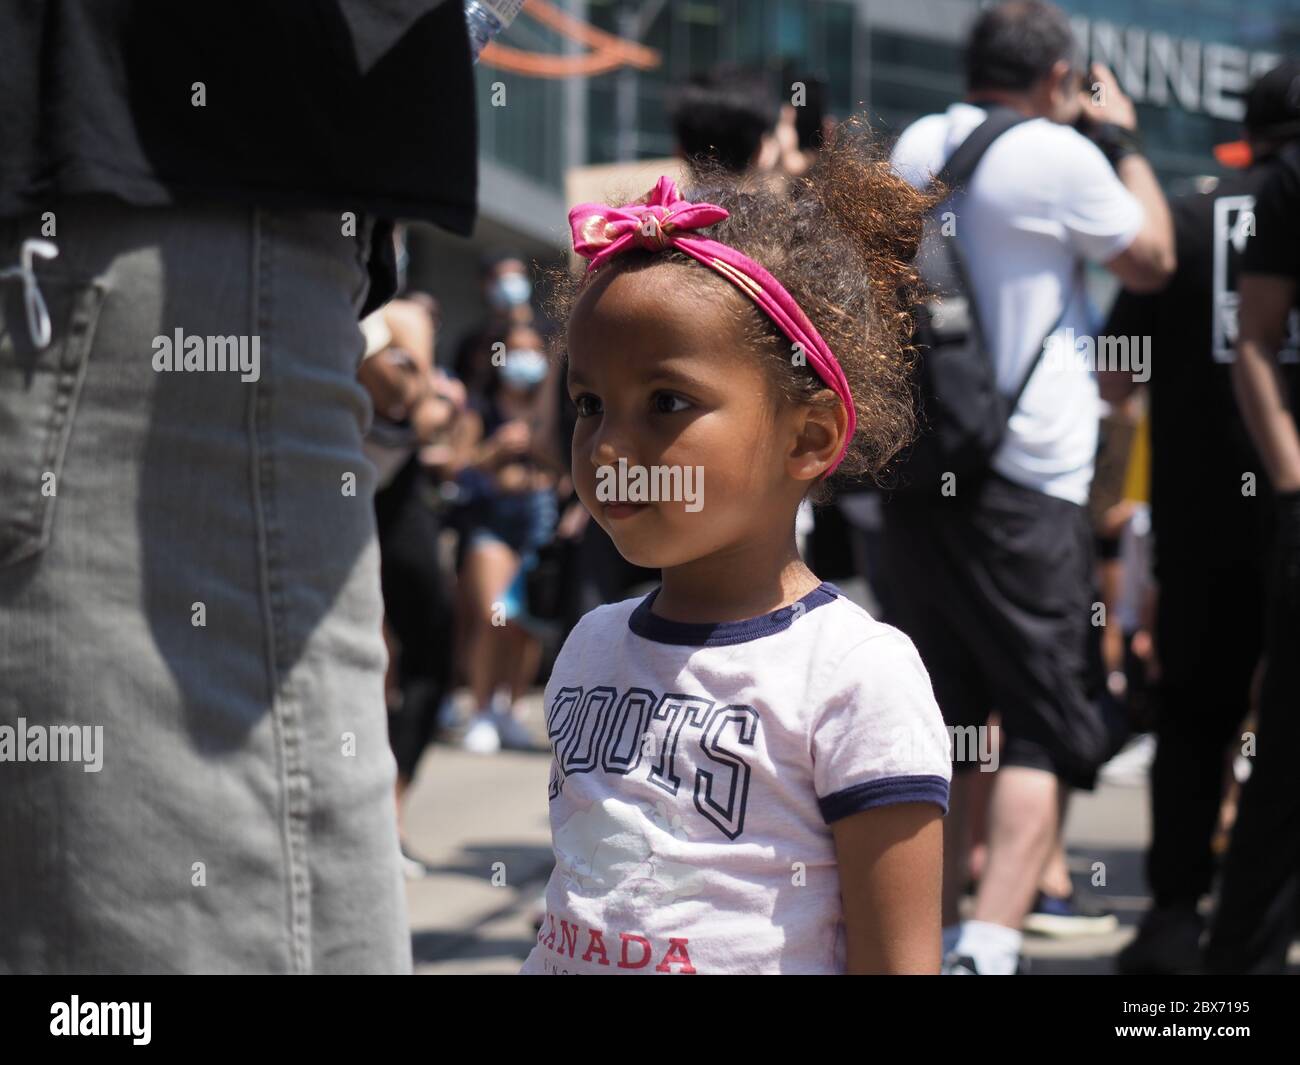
column 196, row 205
column 1256, row 916
column 1211, row 527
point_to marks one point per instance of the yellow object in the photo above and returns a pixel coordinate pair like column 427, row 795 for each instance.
column 1137, row 478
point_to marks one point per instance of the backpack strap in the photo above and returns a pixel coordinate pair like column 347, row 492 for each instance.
column 1076, row 281
column 962, row 163
column 956, row 172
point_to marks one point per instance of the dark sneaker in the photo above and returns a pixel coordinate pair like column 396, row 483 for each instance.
column 1078, row 914
column 1168, row 942
column 959, row 965
column 964, row 965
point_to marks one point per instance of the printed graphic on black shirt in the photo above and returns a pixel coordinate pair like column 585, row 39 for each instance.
column 1234, row 225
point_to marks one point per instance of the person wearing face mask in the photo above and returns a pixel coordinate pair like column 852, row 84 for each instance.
column 508, row 288
column 512, row 469
column 507, row 293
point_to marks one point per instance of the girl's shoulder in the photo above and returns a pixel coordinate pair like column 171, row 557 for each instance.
column 854, row 649
column 843, row 625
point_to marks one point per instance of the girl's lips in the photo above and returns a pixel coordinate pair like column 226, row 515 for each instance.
column 623, row 510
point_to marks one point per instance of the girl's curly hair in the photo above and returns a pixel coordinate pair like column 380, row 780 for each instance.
column 841, row 240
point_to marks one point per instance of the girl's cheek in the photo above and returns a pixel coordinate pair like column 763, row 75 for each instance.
column 583, row 473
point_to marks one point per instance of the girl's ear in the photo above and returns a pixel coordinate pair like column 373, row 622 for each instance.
column 819, row 428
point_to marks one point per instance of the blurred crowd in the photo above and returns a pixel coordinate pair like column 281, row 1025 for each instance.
column 489, row 559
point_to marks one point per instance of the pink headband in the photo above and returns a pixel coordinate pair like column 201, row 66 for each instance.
column 658, row 221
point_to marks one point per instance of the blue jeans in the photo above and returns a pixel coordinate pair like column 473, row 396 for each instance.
column 523, row 521
column 188, row 568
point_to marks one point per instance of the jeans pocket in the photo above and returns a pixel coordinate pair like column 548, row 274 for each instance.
column 39, row 389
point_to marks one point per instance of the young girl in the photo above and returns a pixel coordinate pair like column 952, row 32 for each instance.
column 749, row 771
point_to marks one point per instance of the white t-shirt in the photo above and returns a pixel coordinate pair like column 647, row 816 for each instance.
column 696, row 770
column 1042, row 199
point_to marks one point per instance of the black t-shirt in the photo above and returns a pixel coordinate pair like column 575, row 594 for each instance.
column 1200, row 448
column 1275, row 247
column 335, row 104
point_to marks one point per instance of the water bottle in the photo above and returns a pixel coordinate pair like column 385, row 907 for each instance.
column 486, row 18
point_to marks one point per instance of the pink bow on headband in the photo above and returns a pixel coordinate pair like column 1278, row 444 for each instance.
column 662, row 219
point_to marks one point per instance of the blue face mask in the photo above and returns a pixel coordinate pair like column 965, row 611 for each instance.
column 524, row 368
column 512, row 290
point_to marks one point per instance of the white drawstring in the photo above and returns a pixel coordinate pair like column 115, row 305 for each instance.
column 38, row 315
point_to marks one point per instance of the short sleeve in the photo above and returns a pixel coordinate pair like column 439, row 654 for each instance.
column 876, row 735
column 915, row 155
column 1275, row 247
column 1100, row 216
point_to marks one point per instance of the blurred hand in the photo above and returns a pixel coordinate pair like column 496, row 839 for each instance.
column 513, row 438
column 1116, row 517
column 449, row 388
column 1104, row 101
column 437, row 456
column 394, row 381
column 573, row 521
column 431, row 415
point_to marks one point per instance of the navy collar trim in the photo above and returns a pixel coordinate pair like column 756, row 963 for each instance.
column 723, row 633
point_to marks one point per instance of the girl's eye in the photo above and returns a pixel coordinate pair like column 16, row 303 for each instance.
column 669, row 403
column 587, row 405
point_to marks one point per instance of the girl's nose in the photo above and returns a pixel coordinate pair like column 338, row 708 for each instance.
column 604, row 454
column 607, row 449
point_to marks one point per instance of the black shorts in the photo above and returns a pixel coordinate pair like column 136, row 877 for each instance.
column 995, row 590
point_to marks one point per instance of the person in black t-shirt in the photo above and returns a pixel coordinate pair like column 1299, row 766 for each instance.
column 1256, row 916
column 1211, row 531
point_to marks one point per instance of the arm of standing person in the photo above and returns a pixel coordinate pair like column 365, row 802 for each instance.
column 891, row 870
column 1270, row 270
column 1257, row 381
column 466, row 442
column 1133, row 314
column 1148, row 262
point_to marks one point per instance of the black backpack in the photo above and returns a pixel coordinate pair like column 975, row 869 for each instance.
column 962, row 417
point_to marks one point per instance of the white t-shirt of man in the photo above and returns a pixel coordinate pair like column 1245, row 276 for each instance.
column 1042, row 199
column 696, row 771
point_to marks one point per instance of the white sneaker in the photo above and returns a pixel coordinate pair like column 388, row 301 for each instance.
column 1131, row 767
column 482, row 736
column 413, row 868
column 514, row 733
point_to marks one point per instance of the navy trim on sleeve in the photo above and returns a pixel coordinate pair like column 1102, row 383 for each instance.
column 887, row 792
column 723, row 633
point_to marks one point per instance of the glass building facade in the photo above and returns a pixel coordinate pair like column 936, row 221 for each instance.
column 1185, row 62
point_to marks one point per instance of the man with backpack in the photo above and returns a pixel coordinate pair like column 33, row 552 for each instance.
column 987, row 540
